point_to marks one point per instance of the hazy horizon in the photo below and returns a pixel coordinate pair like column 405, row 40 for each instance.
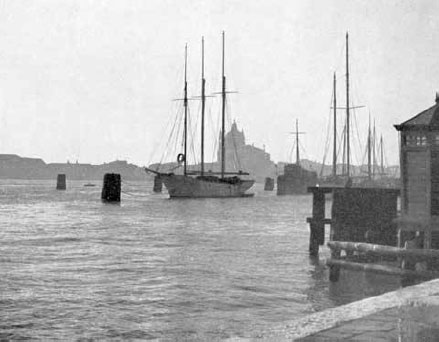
column 94, row 81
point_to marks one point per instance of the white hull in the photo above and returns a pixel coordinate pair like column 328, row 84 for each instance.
column 192, row 187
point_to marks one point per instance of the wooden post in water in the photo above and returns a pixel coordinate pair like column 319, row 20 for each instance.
column 111, row 187
column 61, row 182
column 317, row 223
column 269, row 184
column 158, row 184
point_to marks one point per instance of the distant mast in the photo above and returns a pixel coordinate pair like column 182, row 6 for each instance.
column 297, row 143
column 374, row 139
column 185, row 110
column 334, row 152
column 223, row 94
column 382, row 155
column 347, row 108
column 369, row 152
column 203, row 102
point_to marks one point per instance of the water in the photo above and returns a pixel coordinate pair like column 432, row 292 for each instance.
column 72, row 267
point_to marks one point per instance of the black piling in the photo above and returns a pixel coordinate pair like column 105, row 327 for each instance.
column 317, row 221
column 111, row 188
column 158, row 184
column 61, row 182
column 317, row 224
column 269, row 184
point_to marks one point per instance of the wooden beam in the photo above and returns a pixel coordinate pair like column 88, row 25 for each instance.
column 313, row 220
column 384, row 269
column 381, row 250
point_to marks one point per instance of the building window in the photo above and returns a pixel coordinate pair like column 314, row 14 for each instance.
column 417, row 139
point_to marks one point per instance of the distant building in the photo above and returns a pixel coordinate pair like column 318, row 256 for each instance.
column 419, row 155
column 249, row 158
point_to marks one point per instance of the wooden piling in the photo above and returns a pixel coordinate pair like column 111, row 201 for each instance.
column 111, row 187
column 317, row 223
column 269, row 184
column 61, row 182
column 158, row 184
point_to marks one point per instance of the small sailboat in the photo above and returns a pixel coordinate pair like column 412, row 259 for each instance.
column 199, row 184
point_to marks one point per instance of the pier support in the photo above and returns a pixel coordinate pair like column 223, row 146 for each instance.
column 317, row 222
column 111, row 188
column 61, row 182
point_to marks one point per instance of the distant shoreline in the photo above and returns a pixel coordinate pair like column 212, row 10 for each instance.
column 13, row 166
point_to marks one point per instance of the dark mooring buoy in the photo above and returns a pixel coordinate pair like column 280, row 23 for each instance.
column 61, row 182
column 111, row 187
column 158, row 184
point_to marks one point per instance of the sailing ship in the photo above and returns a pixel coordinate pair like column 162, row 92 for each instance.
column 376, row 176
column 295, row 179
column 202, row 184
column 345, row 178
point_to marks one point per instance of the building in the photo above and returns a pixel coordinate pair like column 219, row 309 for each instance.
column 419, row 157
column 247, row 158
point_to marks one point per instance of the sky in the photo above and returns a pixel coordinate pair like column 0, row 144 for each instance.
column 94, row 81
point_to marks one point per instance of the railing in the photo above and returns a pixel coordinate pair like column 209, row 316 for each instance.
column 358, row 256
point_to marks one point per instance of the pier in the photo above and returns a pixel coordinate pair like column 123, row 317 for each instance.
column 367, row 231
column 357, row 214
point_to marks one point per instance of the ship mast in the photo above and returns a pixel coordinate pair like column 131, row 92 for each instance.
column 297, row 143
column 382, row 155
column 223, row 114
column 374, row 139
column 347, row 108
column 334, row 152
column 369, row 152
column 203, row 102
column 185, row 102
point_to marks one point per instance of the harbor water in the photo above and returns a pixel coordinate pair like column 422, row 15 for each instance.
column 72, row 267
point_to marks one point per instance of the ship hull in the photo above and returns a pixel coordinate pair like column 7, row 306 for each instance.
column 292, row 186
column 180, row 186
column 295, row 180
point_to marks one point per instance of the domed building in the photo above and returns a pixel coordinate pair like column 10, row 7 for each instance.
column 248, row 158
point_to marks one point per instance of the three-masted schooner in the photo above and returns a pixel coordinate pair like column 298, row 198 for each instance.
column 196, row 184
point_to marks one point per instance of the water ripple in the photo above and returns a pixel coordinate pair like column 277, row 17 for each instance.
column 74, row 268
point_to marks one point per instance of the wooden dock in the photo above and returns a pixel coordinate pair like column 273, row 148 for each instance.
column 357, row 214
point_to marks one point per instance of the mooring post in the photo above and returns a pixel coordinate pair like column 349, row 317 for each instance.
column 158, row 184
column 269, row 184
column 317, row 224
column 111, row 187
column 61, row 182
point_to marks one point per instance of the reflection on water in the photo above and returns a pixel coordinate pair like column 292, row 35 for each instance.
column 73, row 267
column 419, row 322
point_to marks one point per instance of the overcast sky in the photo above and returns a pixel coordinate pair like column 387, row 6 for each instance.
column 93, row 81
